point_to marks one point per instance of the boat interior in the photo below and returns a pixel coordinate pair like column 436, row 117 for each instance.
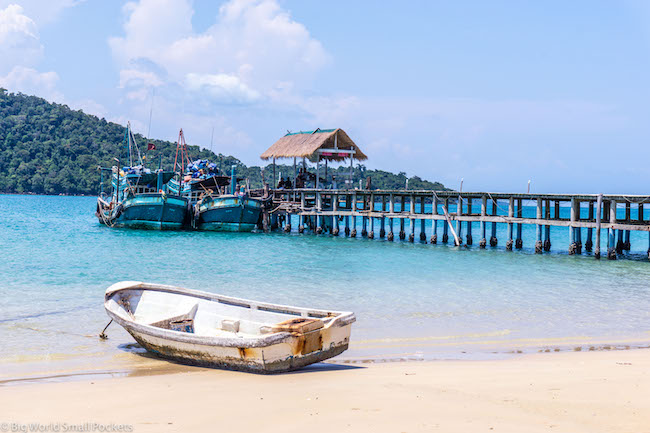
column 213, row 317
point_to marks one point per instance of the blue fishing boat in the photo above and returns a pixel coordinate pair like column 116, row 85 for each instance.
column 236, row 211
column 206, row 189
column 138, row 198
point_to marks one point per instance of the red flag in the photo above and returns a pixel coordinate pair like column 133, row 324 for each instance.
column 151, row 146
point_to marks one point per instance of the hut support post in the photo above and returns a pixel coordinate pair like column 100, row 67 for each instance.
column 319, row 218
column 483, row 242
column 335, row 217
column 301, row 218
column 275, row 180
column 353, row 207
column 351, row 170
column 423, row 231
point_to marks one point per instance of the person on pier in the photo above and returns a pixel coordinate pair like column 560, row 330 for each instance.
column 300, row 180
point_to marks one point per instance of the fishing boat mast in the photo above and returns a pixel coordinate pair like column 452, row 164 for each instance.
column 130, row 138
column 181, row 146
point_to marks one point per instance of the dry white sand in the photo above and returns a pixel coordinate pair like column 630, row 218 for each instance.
column 557, row 392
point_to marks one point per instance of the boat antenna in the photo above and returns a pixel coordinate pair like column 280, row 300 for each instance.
column 128, row 131
column 126, row 143
column 132, row 137
column 211, row 137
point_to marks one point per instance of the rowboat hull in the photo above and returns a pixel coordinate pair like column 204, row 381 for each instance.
column 228, row 213
column 258, row 344
column 146, row 211
column 275, row 358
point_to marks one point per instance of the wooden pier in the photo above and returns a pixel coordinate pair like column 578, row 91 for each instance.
column 455, row 216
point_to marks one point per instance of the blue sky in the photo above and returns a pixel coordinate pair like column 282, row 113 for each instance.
column 493, row 92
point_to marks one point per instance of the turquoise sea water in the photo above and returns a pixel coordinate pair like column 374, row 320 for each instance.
column 417, row 301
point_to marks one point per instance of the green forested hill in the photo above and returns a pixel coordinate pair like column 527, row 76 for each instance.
column 48, row 148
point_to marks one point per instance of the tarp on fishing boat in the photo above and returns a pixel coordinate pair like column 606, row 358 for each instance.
column 320, row 144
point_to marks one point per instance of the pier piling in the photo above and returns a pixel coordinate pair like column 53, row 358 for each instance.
column 599, row 205
column 434, row 222
column 590, row 216
column 539, row 245
column 519, row 242
column 511, row 213
column 493, row 238
column 611, row 244
column 483, row 242
column 327, row 211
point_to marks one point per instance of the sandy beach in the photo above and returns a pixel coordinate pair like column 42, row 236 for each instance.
column 605, row 391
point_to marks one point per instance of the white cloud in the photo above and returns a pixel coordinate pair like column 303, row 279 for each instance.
column 19, row 39
column 254, row 54
column 221, row 87
column 134, row 77
column 253, row 46
column 42, row 11
column 32, row 82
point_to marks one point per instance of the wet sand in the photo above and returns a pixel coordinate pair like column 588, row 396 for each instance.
column 605, row 391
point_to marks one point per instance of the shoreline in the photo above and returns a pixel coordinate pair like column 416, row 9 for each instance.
column 136, row 361
column 600, row 391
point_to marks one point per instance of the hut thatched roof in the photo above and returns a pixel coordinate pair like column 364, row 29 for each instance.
column 312, row 144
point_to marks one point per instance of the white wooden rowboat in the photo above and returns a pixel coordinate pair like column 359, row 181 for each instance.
column 206, row 329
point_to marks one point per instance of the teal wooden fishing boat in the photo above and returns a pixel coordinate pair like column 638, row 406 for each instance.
column 143, row 207
column 227, row 212
column 138, row 198
column 212, row 208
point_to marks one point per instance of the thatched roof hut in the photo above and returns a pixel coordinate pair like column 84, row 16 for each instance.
column 317, row 145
